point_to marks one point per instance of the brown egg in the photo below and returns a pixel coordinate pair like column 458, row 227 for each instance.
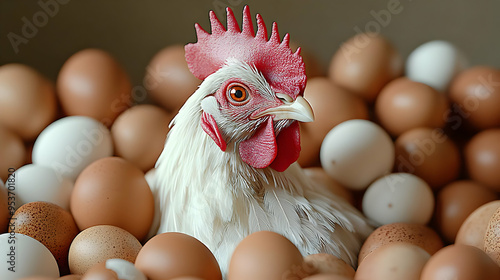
column 12, row 152
column 168, row 79
column 394, row 261
column 100, row 243
column 71, row 277
column 460, row 262
column 139, row 135
column 455, row 202
column 328, row 264
column 100, row 272
column 92, row 83
column 319, row 178
column 266, row 255
column 492, row 237
column 27, row 100
column 482, row 158
column 404, row 104
column 430, row 154
column 172, row 254
column 364, row 64
column 414, row 234
column 474, row 227
column 476, row 94
column 50, row 224
column 112, row 191
column 331, row 105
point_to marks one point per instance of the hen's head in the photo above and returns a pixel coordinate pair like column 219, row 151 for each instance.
column 252, row 90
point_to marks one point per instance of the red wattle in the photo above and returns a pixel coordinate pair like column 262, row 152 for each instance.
column 288, row 142
column 260, row 150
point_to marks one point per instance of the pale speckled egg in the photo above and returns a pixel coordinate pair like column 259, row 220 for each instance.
column 173, row 254
column 328, row 264
column 12, row 152
column 266, row 255
column 492, row 237
column 419, row 235
column 460, row 262
column 100, row 243
column 356, row 152
column 399, row 198
column 394, row 261
column 474, row 228
column 27, row 100
column 92, row 83
column 435, row 63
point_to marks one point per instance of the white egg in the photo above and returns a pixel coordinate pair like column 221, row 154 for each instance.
column 41, row 183
column 435, row 63
column 399, row 198
column 24, row 256
column 71, row 144
column 356, row 152
column 125, row 269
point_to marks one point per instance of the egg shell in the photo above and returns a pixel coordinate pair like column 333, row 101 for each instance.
column 34, row 182
column 168, row 79
column 70, row 144
column 139, row 135
column 12, row 152
column 415, row 234
column 172, row 254
column 404, row 104
column 455, row 202
column 476, row 93
column 492, row 237
column 482, row 158
column 30, row 258
column 99, row 243
column 27, row 100
column 328, row 264
column 394, row 261
column 319, row 178
column 50, row 224
column 399, row 198
column 460, row 262
column 92, row 83
column 4, row 210
column 100, row 272
column 356, row 152
column 364, row 64
column 473, row 229
column 331, row 105
column 429, row 154
column 112, row 191
column 435, row 63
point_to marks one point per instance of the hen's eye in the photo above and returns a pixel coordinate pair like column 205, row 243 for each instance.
column 238, row 94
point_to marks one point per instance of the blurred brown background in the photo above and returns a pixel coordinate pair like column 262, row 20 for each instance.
column 45, row 33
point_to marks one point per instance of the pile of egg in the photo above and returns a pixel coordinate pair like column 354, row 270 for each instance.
column 415, row 146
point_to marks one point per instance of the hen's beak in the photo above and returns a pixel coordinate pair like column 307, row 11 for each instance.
column 299, row 110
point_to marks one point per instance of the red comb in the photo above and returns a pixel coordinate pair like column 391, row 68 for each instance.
column 283, row 69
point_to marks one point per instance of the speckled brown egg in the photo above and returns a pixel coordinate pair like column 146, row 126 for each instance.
column 99, row 243
column 474, row 227
column 266, row 255
column 455, row 202
column 415, row 234
column 100, row 272
column 460, row 262
column 429, row 154
column 92, row 83
column 168, row 79
column 172, row 254
column 12, row 152
column 139, row 135
column 112, row 191
column 393, row 261
column 492, row 237
column 319, row 178
column 364, row 64
column 27, row 100
column 476, row 94
column 50, row 224
column 328, row 264
column 331, row 105
column 482, row 158
column 404, row 104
